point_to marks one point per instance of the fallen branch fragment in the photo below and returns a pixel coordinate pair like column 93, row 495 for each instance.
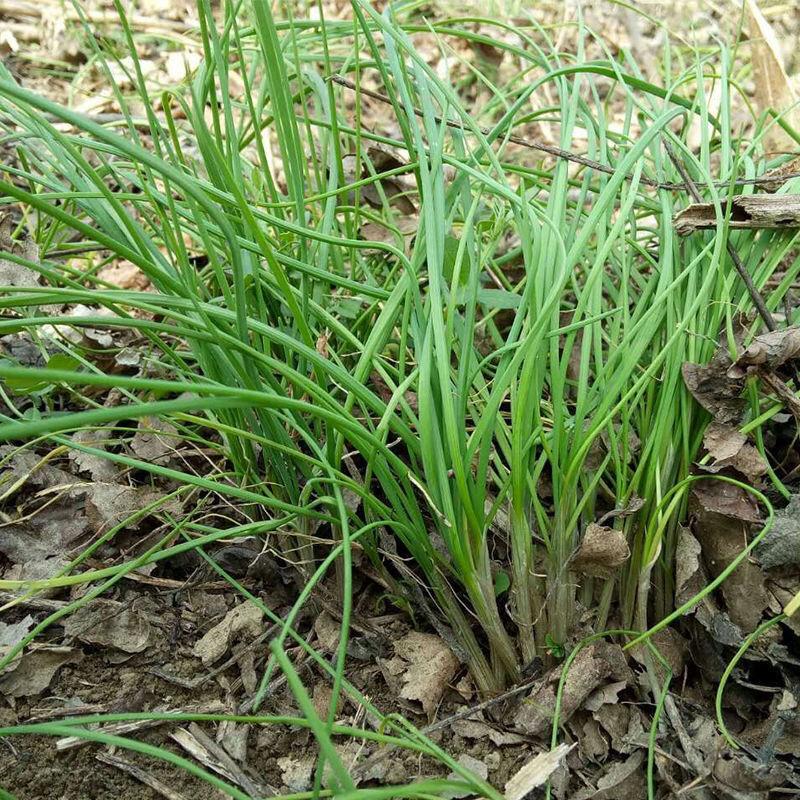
column 748, row 211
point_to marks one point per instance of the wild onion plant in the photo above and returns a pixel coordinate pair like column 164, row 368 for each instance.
column 484, row 389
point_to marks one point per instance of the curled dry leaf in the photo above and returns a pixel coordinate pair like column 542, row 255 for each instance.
column 773, row 91
column 536, row 772
column 714, row 389
column 591, row 667
column 425, row 665
column 245, row 619
column 127, row 630
column 394, row 187
column 729, row 447
column 33, row 672
column 601, row 551
column 781, row 546
column 768, row 351
column 155, row 440
column 12, row 273
column 722, row 515
column 621, row 779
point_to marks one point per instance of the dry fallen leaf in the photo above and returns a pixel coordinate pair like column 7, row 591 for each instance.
column 722, row 515
column 296, row 773
column 245, row 618
column 601, row 551
column 127, row 630
column 591, row 667
column 621, row 779
column 714, row 389
column 32, row 673
column 424, row 665
column 536, row 772
column 11, row 273
column 729, row 447
column 155, row 440
column 773, row 88
column 769, row 351
column 781, row 546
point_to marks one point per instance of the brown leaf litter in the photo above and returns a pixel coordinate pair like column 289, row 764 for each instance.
column 245, row 620
column 423, row 667
column 602, row 551
column 593, row 665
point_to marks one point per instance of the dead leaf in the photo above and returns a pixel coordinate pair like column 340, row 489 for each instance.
column 101, row 469
column 729, row 447
column 768, row 351
column 424, row 665
column 601, row 551
column 591, row 667
column 722, row 515
column 32, row 673
column 536, row 772
column 11, row 273
column 13, row 633
column 155, row 440
column 296, row 773
column 773, row 91
column 127, row 630
column 781, row 546
column 474, row 765
column 246, row 618
column 714, row 389
column 395, row 188
column 621, row 779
